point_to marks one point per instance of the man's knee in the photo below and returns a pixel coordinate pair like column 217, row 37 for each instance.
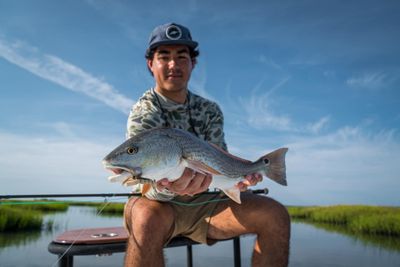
column 282, row 213
column 144, row 217
column 278, row 218
column 271, row 215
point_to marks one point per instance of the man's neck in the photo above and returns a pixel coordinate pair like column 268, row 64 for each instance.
column 176, row 96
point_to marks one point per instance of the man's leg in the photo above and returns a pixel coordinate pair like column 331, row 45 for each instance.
column 263, row 216
column 149, row 224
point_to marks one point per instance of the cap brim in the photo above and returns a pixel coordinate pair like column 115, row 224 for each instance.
column 191, row 44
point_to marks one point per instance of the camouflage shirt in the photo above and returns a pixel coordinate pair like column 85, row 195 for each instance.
column 197, row 115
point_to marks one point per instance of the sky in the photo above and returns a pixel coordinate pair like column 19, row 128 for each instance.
column 319, row 77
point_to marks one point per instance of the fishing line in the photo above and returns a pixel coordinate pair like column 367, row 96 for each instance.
column 198, row 203
column 106, row 203
column 80, row 233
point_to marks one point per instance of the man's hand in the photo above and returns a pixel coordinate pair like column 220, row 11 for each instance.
column 250, row 180
column 190, row 183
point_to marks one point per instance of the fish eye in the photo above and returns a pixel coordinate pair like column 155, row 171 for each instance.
column 132, row 150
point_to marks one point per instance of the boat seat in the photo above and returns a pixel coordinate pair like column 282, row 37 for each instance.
column 105, row 241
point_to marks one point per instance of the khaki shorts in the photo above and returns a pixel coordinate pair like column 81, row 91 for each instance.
column 192, row 216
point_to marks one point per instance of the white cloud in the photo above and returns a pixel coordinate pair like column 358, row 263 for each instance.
column 310, row 61
column 63, row 129
column 198, row 80
column 257, row 110
column 370, row 80
column 269, row 62
column 329, row 74
column 67, row 75
column 33, row 165
column 349, row 165
column 318, row 126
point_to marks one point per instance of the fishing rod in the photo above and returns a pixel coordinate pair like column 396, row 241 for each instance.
column 255, row 191
column 69, row 195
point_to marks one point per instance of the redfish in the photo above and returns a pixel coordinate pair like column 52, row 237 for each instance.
column 165, row 152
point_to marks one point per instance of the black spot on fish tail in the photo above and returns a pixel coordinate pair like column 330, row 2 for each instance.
column 274, row 166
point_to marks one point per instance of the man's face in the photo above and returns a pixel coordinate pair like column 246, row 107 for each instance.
column 171, row 67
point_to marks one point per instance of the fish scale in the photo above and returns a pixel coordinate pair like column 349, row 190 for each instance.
column 230, row 167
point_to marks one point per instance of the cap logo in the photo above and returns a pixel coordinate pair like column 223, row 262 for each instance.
column 173, row 32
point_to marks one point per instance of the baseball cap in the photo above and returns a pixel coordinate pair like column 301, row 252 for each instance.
column 171, row 33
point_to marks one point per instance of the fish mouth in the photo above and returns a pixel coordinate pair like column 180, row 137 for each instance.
column 123, row 174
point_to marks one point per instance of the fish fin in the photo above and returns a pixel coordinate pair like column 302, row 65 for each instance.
column 229, row 154
column 145, row 188
column 275, row 167
column 201, row 167
column 233, row 193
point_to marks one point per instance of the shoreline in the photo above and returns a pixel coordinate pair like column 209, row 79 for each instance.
column 357, row 219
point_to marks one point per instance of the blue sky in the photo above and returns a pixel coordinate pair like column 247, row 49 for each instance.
column 320, row 77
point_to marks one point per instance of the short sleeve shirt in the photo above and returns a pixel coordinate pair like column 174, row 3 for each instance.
column 197, row 115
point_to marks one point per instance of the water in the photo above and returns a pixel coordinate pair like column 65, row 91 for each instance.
column 310, row 246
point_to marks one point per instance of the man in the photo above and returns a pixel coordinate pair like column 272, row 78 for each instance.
column 153, row 220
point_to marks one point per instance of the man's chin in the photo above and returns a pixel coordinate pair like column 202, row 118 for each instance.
column 175, row 87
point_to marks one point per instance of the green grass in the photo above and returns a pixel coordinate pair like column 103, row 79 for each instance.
column 12, row 219
column 42, row 205
column 103, row 208
column 85, row 203
column 361, row 219
column 113, row 209
column 357, row 219
column 27, row 215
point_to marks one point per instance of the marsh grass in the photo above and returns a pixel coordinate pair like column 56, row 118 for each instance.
column 27, row 215
column 112, row 209
column 85, row 203
column 357, row 219
column 103, row 208
column 41, row 205
column 372, row 220
column 12, row 219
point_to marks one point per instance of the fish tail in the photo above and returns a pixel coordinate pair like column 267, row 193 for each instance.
column 274, row 165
